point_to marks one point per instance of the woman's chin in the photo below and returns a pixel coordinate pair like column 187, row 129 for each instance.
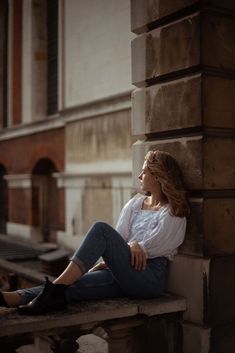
column 144, row 189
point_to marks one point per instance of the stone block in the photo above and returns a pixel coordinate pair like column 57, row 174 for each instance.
column 167, row 106
column 194, row 101
column 218, row 104
column 210, row 229
column 187, row 277
column 199, row 339
column 144, row 12
column 217, row 40
column 196, row 41
column 208, row 285
column 218, row 223
column 218, row 162
column 202, row 167
column 220, row 307
column 166, row 49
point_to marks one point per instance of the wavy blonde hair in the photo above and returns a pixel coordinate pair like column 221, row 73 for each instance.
column 168, row 173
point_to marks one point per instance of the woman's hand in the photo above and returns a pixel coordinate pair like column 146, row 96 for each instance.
column 138, row 257
column 99, row 266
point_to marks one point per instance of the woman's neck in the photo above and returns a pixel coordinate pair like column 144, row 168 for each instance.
column 156, row 199
column 153, row 202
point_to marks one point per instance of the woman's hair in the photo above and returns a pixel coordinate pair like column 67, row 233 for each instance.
column 167, row 171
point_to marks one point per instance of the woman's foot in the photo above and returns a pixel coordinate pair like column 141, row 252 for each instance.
column 52, row 297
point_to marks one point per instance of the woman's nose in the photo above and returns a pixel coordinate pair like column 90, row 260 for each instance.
column 140, row 176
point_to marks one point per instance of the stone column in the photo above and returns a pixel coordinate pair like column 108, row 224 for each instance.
column 20, row 199
column 183, row 63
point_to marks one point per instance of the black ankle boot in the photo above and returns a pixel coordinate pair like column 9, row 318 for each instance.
column 52, row 297
column 3, row 301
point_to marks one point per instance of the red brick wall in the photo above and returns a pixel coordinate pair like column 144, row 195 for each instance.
column 20, row 155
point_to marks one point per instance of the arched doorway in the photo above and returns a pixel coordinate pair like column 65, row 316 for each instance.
column 45, row 200
column 3, row 201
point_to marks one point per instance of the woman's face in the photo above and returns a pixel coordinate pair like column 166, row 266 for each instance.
column 148, row 181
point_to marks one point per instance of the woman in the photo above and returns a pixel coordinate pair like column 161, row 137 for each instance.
column 136, row 254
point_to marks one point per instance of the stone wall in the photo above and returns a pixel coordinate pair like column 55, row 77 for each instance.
column 97, row 177
column 183, row 63
column 97, row 56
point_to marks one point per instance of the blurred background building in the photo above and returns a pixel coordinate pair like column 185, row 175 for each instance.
column 65, row 140
column 65, row 135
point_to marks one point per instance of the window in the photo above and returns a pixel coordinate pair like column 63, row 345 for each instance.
column 52, row 69
column 3, row 62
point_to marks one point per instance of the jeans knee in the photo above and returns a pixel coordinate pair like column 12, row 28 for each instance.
column 103, row 229
column 99, row 225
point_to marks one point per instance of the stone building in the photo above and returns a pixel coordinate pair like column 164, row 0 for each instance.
column 65, row 142
column 65, row 136
column 184, row 67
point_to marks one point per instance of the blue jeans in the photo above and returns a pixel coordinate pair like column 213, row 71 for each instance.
column 120, row 279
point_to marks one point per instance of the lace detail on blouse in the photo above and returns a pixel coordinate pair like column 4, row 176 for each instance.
column 143, row 221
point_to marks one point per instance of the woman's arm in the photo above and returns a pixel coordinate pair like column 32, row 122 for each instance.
column 122, row 226
column 138, row 257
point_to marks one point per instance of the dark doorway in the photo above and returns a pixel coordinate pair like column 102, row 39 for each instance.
column 45, row 202
column 3, row 201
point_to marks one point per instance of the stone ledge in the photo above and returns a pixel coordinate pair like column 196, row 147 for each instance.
column 86, row 313
column 28, row 274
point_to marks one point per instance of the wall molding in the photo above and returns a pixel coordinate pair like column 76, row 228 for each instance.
column 107, row 105
column 22, row 181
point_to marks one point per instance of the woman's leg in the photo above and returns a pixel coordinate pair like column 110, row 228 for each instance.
column 9, row 299
column 21, row 296
column 94, row 285
column 71, row 274
column 103, row 240
column 28, row 294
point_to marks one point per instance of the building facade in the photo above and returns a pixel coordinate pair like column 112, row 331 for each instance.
column 184, row 70
column 65, row 125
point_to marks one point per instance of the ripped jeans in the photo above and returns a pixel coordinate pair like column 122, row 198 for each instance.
column 119, row 279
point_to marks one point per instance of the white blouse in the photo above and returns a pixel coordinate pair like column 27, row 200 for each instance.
column 157, row 232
